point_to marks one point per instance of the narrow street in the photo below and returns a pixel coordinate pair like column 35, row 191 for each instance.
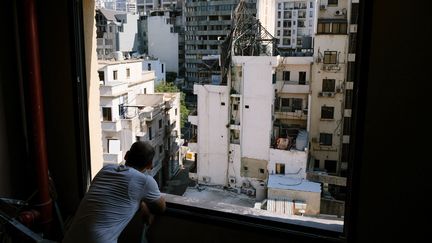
column 178, row 184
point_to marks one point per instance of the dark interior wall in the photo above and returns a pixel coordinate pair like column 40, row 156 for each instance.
column 16, row 170
column 393, row 182
column 58, row 71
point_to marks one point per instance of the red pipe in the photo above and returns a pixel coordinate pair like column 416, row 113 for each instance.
column 37, row 113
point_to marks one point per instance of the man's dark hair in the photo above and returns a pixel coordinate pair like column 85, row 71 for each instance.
column 140, row 154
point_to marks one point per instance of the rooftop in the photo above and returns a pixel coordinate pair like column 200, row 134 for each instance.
column 208, row 194
column 215, row 200
column 296, row 184
column 103, row 63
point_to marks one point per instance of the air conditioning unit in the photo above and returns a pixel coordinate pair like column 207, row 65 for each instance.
column 250, row 192
column 320, row 94
column 232, row 181
column 323, row 6
column 338, row 13
column 246, row 183
column 338, row 90
column 206, row 179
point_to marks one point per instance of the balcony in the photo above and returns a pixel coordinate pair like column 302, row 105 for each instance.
column 111, row 126
column 113, row 88
column 291, row 115
column 294, row 87
column 113, row 158
column 193, row 120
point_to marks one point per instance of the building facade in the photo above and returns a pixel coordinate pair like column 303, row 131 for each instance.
column 207, row 24
column 116, row 31
column 291, row 22
column 131, row 111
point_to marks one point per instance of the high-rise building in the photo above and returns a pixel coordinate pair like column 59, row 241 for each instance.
column 291, row 22
column 129, row 6
column 207, row 24
column 146, row 5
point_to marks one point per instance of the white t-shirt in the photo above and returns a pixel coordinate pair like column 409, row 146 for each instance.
column 112, row 200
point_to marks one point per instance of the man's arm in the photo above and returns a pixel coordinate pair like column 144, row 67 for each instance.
column 157, row 206
column 148, row 209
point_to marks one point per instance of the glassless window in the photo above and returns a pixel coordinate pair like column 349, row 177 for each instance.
column 330, row 57
column 115, row 74
column 323, row 28
column 302, row 77
column 106, row 113
column 328, row 85
column 326, row 139
column 286, row 75
column 327, row 112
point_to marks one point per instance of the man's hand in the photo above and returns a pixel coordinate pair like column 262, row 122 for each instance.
column 146, row 215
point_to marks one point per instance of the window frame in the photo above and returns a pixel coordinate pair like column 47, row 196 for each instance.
column 264, row 225
column 330, row 55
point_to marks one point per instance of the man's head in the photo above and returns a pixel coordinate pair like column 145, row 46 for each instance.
column 140, row 156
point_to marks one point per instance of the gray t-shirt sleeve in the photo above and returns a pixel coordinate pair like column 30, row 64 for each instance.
column 151, row 191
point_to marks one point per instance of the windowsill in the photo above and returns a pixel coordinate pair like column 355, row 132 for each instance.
column 326, row 119
column 246, row 215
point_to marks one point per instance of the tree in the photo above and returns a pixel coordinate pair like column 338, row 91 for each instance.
column 171, row 88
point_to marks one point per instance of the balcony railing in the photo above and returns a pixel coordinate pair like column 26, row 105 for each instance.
column 295, row 115
column 111, row 126
column 296, row 87
column 113, row 89
column 113, row 158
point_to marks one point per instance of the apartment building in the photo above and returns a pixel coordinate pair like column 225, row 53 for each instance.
column 131, row 111
column 129, row 6
column 259, row 121
column 145, row 5
column 291, row 22
column 160, row 34
column 329, row 85
column 207, row 24
column 116, row 31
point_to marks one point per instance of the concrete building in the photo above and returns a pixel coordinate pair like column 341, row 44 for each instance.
column 145, row 5
column 258, row 119
column 116, row 31
column 207, row 24
column 131, row 111
column 129, row 6
column 154, row 64
column 250, row 151
column 160, row 37
column 161, row 34
column 291, row 22
column 328, row 86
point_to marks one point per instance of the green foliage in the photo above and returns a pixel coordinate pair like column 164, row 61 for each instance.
column 171, row 88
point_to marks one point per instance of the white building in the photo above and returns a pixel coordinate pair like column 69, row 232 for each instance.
column 129, row 6
column 154, row 64
column 130, row 111
column 291, row 22
column 328, row 86
column 116, row 31
column 163, row 39
column 236, row 134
